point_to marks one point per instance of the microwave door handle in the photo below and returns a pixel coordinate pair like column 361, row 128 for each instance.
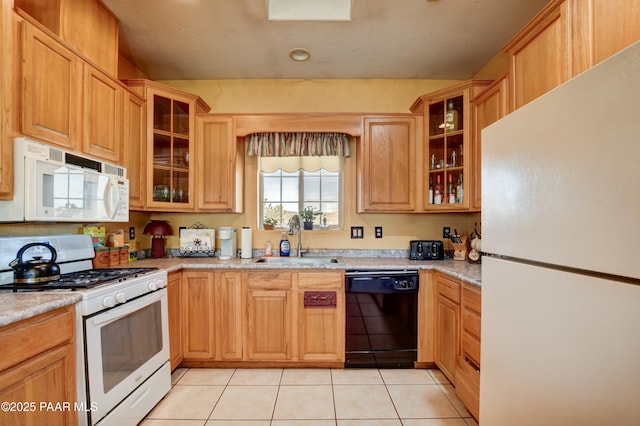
column 111, row 194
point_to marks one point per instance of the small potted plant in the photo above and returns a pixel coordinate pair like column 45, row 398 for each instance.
column 308, row 215
column 269, row 222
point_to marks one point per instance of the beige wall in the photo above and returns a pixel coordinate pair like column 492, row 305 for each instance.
column 272, row 96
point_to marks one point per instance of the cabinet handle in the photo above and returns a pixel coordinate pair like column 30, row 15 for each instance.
column 321, row 299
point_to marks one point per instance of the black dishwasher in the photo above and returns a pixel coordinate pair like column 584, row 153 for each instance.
column 382, row 318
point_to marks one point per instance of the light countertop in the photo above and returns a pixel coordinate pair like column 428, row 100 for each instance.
column 18, row 306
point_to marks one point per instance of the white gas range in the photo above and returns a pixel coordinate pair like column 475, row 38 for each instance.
column 122, row 337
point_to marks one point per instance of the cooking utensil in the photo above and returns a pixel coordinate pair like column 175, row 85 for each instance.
column 35, row 270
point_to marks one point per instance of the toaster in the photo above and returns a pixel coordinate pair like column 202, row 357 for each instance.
column 426, row 250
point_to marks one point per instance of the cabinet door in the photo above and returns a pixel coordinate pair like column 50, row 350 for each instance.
column 468, row 365
column 387, row 165
column 228, row 314
column 48, row 377
column 170, row 144
column 6, row 101
column 92, row 29
column 540, row 54
column 488, row 107
column 134, row 149
column 198, row 335
column 616, row 25
column 102, row 125
column 268, row 331
column 51, row 89
column 219, row 160
column 38, row 364
column 174, row 297
column 447, row 323
column 321, row 316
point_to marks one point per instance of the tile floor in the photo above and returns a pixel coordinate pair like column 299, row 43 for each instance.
column 314, row 397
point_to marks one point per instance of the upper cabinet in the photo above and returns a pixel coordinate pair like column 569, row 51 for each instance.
column 170, row 133
column 6, row 110
column 135, row 148
column 540, row 54
column 102, row 115
column 489, row 106
column 387, row 164
column 51, row 97
column 566, row 38
column 446, row 160
column 67, row 101
column 85, row 25
column 614, row 26
column 219, row 165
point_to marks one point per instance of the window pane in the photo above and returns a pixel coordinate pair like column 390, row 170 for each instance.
column 271, row 189
column 331, row 188
column 290, row 189
column 287, row 193
column 312, row 188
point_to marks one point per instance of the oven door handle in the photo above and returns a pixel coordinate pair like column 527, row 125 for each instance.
column 130, row 307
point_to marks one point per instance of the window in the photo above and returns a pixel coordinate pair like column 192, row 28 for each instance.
column 287, row 185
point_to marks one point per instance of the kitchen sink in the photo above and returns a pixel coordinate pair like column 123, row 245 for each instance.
column 298, row 260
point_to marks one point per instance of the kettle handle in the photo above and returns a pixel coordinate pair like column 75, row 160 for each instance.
column 18, row 259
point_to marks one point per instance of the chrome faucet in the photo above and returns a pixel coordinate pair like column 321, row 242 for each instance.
column 295, row 228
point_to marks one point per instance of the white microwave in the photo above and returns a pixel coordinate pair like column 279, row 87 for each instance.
column 53, row 185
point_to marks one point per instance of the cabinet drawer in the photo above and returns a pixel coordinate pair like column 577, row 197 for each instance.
column 30, row 337
column 471, row 322
column 468, row 386
column 321, row 280
column 448, row 288
column 269, row 280
column 471, row 348
column 472, row 297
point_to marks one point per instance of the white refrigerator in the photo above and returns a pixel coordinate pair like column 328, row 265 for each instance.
column 561, row 280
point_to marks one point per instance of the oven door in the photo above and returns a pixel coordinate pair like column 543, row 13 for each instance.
column 125, row 346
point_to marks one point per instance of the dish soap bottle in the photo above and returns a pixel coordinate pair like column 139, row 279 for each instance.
column 284, row 245
column 267, row 249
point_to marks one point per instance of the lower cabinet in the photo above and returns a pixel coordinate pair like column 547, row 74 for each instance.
column 38, row 365
column 228, row 315
column 457, row 337
column 198, row 321
column 321, row 316
column 262, row 316
column 269, row 330
column 468, row 363
column 175, row 321
column 447, row 324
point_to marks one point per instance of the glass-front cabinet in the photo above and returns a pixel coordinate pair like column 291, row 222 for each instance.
column 170, row 174
column 170, row 151
column 446, row 149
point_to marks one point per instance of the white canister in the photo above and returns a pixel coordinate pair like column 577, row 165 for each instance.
column 246, row 251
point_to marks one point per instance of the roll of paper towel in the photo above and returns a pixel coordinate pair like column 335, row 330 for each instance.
column 245, row 243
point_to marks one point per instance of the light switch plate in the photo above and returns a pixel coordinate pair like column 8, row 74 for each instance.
column 357, row 232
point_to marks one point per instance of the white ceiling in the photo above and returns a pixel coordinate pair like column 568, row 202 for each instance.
column 396, row 39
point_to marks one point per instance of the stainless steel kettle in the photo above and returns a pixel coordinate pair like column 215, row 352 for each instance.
column 35, row 270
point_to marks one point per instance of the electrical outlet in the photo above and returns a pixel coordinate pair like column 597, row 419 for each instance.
column 132, row 233
column 446, row 232
column 378, row 230
column 357, row 232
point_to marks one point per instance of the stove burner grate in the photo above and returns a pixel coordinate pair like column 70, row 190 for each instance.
column 82, row 279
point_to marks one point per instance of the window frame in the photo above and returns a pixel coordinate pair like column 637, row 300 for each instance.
column 301, row 201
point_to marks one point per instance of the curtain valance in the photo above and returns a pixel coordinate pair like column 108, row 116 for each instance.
column 298, row 144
